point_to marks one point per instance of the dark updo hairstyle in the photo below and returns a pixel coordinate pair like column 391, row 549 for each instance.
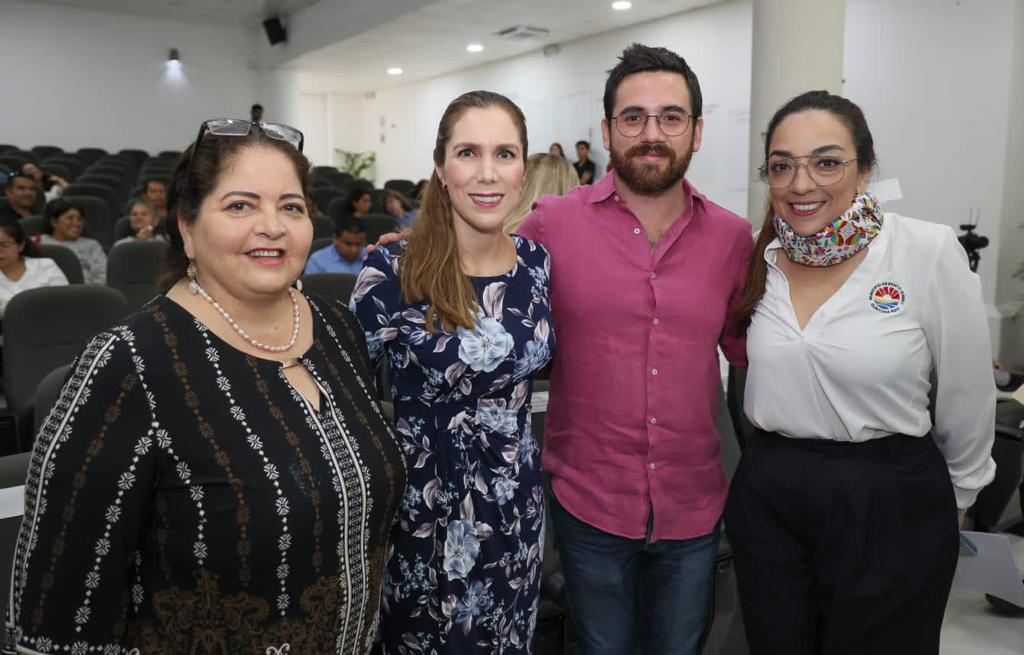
column 850, row 115
column 57, row 208
column 14, row 230
column 195, row 177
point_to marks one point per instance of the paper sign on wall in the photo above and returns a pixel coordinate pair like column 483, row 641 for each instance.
column 886, row 190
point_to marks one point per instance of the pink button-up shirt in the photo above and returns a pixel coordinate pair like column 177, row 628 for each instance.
column 631, row 413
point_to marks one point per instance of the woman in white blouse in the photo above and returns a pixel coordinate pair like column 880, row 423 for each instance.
column 18, row 272
column 843, row 513
column 65, row 222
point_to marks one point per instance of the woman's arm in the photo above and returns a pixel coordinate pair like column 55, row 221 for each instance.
column 956, row 328
column 88, row 491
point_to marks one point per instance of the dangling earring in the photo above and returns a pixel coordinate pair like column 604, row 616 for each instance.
column 190, row 272
column 298, row 284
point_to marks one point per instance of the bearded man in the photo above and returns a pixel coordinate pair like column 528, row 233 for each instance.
column 646, row 273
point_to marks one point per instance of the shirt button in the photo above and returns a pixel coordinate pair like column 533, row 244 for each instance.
column 653, row 275
column 654, row 371
column 653, row 420
column 616, row 198
column 656, row 322
column 636, row 230
column 653, row 466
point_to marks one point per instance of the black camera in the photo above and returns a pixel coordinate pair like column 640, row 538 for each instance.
column 972, row 243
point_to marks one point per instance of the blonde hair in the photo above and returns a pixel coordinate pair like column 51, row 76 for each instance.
column 430, row 268
column 545, row 175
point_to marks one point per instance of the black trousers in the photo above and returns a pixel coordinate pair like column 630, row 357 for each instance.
column 842, row 548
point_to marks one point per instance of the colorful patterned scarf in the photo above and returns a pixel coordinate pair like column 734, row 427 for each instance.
column 837, row 241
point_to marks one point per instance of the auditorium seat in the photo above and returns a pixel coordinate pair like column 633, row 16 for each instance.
column 60, row 170
column 133, row 268
column 33, row 225
column 91, row 154
column 405, row 187
column 116, row 183
column 46, row 396
column 65, row 259
column 322, row 227
column 322, row 197
column 12, row 160
column 169, row 154
column 13, row 472
column 42, row 152
column 320, row 244
column 73, row 163
column 378, row 224
column 45, row 328
column 136, row 156
column 333, row 286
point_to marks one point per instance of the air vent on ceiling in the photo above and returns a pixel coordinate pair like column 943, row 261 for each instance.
column 524, row 33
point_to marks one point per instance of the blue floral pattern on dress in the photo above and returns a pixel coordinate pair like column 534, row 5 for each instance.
column 464, row 566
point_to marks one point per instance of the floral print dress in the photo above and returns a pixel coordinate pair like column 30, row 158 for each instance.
column 465, row 556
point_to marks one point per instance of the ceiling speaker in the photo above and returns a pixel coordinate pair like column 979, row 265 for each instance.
column 275, row 30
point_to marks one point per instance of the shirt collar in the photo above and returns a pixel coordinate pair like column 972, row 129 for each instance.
column 604, row 189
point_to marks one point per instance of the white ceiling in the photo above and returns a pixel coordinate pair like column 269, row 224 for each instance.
column 247, row 13
column 424, row 42
column 432, row 41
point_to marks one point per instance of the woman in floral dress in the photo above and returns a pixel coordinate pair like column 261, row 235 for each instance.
column 462, row 312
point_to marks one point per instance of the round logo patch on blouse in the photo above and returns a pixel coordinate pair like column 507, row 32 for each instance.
column 887, row 297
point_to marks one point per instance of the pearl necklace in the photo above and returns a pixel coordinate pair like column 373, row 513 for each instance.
column 194, row 287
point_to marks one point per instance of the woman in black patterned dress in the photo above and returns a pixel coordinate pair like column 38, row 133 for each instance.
column 216, row 476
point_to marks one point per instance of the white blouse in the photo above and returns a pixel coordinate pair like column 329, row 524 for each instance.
column 39, row 272
column 860, row 368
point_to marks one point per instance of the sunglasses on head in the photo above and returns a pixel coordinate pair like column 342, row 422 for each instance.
column 239, row 127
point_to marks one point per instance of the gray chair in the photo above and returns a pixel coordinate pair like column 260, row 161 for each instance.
column 322, row 227
column 33, row 225
column 320, row 244
column 378, row 224
column 133, row 268
column 13, row 471
column 42, row 152
column 46, row 395
column 65, row 259
column 323, row 195
column 45, row 328
column 91, row 154
column 405, row 187
column 332, row 286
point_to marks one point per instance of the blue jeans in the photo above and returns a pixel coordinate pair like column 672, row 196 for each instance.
column 614, row 583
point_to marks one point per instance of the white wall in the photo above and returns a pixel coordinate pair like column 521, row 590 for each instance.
column 562, row 98
column 1010, row 292
column 90, row 78
column 933, row 79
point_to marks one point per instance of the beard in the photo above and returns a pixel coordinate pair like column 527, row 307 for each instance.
column 651, row 179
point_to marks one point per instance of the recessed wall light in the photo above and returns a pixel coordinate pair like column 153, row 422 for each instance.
column 475, row 47
column 621, row 5
column 394, row 70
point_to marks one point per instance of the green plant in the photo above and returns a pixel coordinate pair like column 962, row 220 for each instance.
column 356, row 164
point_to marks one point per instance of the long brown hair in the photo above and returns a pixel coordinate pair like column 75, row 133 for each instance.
column 850, row 115
column 545, row 175
column 197, row 176
column 431, row 268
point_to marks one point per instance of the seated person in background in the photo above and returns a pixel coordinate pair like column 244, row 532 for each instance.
column 20, row 192
column 52, row 186
column 143, row 220
column 18, row 269
column 65, row 222
column 546, row 175
column 154, row 191
column 584, row 167
column 403, row 209
column 359, row 201
column 556, row 149
column 346, row 254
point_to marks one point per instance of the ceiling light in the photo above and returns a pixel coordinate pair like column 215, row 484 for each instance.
column 621, row 5
column 394, row 70
column 474, row 47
